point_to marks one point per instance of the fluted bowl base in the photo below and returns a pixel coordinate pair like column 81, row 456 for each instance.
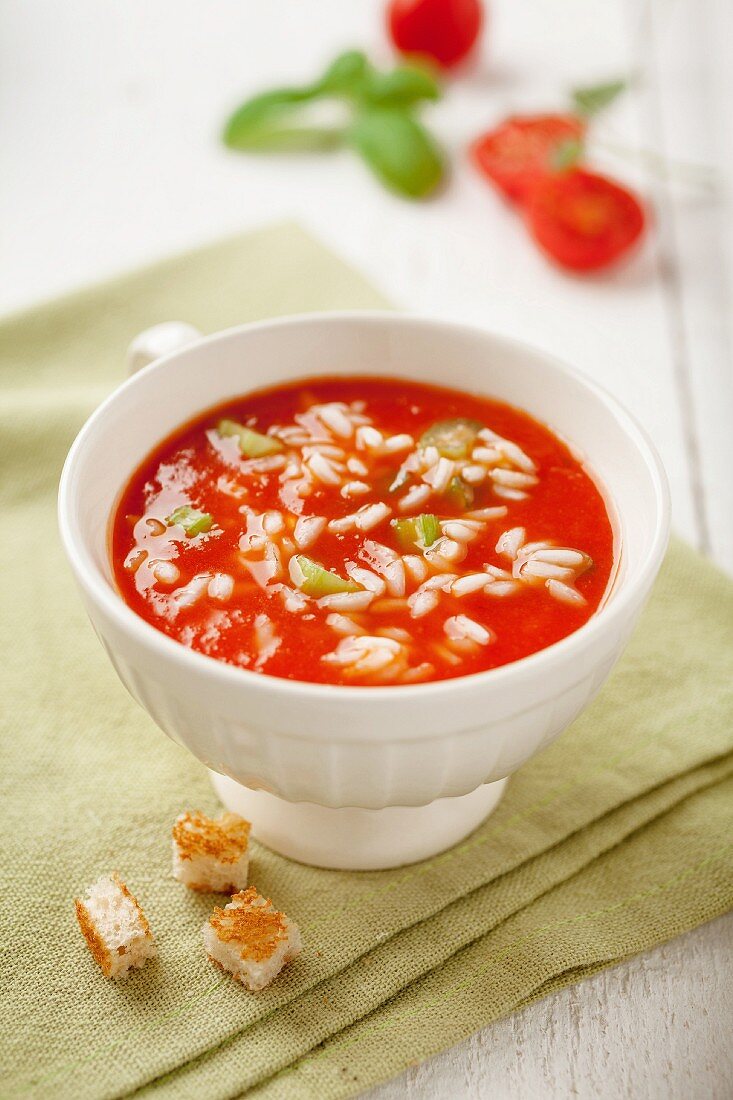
column 353, row 839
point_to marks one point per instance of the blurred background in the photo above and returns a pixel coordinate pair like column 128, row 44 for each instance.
column 111, row 121
column 111, row 117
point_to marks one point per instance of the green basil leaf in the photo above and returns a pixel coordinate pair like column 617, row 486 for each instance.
column 399, row 151
column 590, row 100
column 264, row 123
column 259, row 124
column 291, row 139
column 348, row 74
column 257, row 114
column 402, row 87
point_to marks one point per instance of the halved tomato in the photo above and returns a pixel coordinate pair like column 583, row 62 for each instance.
column 582, row 220
column 523, row 150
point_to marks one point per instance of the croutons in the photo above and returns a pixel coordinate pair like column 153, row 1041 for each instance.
column 251, row 939
column 211, row 854
column 114, row 926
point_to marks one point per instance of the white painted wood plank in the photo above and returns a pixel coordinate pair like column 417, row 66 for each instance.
column 658, row 1027
column 690, row 91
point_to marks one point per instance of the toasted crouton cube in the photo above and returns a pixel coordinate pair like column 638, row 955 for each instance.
column 114, row 926
column 251, row 939
column 211, row 854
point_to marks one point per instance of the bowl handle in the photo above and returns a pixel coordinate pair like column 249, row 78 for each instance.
column 158, row 341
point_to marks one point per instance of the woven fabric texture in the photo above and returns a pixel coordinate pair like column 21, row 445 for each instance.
column 614, row 839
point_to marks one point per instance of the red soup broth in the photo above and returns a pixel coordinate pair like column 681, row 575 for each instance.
column 367, row 531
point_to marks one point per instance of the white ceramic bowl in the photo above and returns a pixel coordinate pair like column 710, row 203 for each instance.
column 370, row 749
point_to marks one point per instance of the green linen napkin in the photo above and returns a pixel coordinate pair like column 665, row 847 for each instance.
column 613, row 840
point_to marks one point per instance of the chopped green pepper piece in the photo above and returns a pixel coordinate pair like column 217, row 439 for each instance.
column 406, row 532
column 314, row 580
column 190, row 519
column 459, row 493
column 252, row 444
column 414, row 531
column 453, row 438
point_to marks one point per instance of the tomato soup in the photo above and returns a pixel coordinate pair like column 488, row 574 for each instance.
column 363, row 531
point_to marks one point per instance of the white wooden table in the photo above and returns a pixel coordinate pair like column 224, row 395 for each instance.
column 109, row 116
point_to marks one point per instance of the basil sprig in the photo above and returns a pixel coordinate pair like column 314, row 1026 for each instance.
column 382, row 128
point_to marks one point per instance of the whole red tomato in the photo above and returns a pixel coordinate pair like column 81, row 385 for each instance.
column 582, row 220
column 443, row 30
